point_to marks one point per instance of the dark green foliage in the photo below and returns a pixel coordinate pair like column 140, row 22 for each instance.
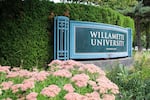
column 26, row 28
column 25, row 41
column 133, row 85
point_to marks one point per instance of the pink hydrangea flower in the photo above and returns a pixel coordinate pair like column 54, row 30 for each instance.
column 92, row 69
column 51, row 91
column 20, row 73
column 55, row 68
column 15, row 88
column 74, row 96
column 67, row 67
column 108, row 97
column 12, row 75
column 4, row 69
column 62, row 68
column 63, row 73
column 40, row 76
column 29, row 80
column 68, row 87
column 93, row 96
column 57, row 62
column 72, row 62
column 80, row 79
column 105, row 84
column 68, row 64
column 6, row 85
column 93, row 84
column 24, row 73
column 32, row 96
column 27, row 84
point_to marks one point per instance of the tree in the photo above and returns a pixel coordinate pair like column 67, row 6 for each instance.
column 139, row 13
column 146, row 21
column 146, row 29
column 146, row 2
column 148, row 36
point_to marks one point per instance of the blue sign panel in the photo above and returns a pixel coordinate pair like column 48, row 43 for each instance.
column 96, row 40
column 89, row 40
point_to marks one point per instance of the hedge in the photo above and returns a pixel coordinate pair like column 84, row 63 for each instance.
column 26, row 36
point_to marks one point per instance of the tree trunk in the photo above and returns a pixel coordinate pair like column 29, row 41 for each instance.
column 147, row 36
column 147, row 40
column 138, row 33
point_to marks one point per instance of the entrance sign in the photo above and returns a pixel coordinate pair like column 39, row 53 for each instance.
column 90, row 40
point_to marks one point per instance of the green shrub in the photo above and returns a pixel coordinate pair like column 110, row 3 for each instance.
column 25, row 40
column 26, row 33
column 133, row 83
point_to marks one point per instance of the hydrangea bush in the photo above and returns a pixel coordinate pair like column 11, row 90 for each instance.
column 63, row 80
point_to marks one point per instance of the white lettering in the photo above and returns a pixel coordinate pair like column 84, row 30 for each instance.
column 106, row 39
column 93, row 34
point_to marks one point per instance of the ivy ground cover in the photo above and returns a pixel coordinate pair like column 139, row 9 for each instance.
column 63, row 80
